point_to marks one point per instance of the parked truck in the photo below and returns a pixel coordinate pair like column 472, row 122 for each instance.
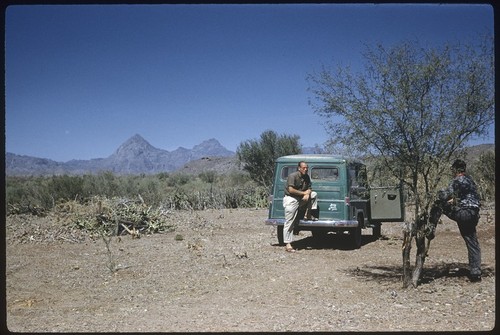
column 346, row 203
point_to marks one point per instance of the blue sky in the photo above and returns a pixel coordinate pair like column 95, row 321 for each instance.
column 82, row 79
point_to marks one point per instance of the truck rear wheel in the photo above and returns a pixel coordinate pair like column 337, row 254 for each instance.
column 355, row 237
column 355, row 233
column 377, row 230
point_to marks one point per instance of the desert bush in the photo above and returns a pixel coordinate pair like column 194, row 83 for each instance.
column 484, row 173
column 65, row 187
column 178, row 179
column 27, row 195
column 37, row 195
column 208, row 176
column 116, row 215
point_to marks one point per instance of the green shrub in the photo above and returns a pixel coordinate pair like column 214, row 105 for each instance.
column 37, row 195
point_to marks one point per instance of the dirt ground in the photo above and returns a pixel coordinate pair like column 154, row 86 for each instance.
column 222, row 271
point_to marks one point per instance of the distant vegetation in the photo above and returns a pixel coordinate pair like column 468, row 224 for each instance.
column 38, row 195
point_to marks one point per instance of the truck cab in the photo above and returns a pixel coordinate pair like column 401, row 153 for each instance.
column 346, row 204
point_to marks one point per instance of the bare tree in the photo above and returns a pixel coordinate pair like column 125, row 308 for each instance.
column 413, row 109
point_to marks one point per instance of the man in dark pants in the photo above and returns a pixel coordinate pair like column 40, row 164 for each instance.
column 463, row 207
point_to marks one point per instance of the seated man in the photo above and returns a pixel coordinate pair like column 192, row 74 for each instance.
column 298, row 199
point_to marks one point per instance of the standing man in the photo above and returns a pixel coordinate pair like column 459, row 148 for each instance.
column 463, row 207
column 298, row 198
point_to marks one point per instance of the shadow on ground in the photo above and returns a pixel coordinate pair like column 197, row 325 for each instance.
column 392, row 274
column 331, row 241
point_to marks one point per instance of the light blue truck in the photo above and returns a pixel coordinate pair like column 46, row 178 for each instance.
column 346, row 204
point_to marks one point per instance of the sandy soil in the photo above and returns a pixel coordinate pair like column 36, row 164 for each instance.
column 222, row 270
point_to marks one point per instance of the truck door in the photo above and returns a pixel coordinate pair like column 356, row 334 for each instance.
column 329, row 181
column 281, row 173
column 386, row 204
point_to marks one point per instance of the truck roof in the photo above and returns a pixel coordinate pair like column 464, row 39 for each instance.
column 317, row 158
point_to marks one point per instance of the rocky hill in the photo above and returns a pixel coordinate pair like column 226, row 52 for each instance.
column 220, row 165
column 135, row 156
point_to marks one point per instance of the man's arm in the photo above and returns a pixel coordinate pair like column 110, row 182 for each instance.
column 448, row 193
column 294, row 191
column 304, row 194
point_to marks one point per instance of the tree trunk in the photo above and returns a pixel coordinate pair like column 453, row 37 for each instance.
column 407, row 238
column 420, row 257
column 424, row 228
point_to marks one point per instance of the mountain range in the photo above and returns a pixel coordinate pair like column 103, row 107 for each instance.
column 137, row 156
column 134, row 156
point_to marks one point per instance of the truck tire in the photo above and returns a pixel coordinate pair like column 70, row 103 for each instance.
column 355, row 237
column 377, row 230
column 355, row 234
column 279, row 231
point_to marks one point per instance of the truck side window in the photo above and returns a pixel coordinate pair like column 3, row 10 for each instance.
column 286, row 170
column 325, row 173
column 357, row 176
